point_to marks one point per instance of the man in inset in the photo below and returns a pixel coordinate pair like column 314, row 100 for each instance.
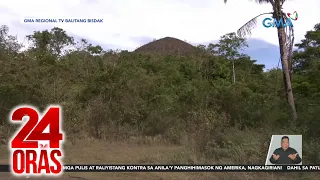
column 285, row 155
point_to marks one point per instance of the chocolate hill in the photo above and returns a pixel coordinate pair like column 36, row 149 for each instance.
column 167, row 45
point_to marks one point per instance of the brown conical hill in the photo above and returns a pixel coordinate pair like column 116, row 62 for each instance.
column 167, row 45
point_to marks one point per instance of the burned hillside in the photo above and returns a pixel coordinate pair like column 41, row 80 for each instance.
column 166, row 46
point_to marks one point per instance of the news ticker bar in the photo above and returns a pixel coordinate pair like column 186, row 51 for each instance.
column 184, row 168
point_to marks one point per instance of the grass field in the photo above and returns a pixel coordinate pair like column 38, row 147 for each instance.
column 142, row 151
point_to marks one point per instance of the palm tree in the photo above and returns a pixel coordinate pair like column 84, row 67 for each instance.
column 285, row 36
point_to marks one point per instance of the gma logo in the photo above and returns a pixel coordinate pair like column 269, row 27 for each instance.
column 273, row 22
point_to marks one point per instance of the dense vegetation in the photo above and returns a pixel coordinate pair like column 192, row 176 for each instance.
column 184, row 99
column 286, row 43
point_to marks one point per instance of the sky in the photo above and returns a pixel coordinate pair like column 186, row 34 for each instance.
column 129, row 24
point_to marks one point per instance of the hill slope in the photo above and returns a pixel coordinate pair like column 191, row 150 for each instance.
column 167, row 45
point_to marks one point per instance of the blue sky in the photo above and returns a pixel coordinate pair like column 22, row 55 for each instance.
column 129, row 24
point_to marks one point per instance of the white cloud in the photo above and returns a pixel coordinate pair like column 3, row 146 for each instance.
column 194, row 21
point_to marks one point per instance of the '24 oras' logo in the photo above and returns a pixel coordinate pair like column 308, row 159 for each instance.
column 269, row 22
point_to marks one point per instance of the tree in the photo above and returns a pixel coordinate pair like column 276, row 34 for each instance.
column 60, row 40
column 309, row 51
column 8, row 43
column 50, row 41
column 306, row 64
column 285, row 45
column 229, row 46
